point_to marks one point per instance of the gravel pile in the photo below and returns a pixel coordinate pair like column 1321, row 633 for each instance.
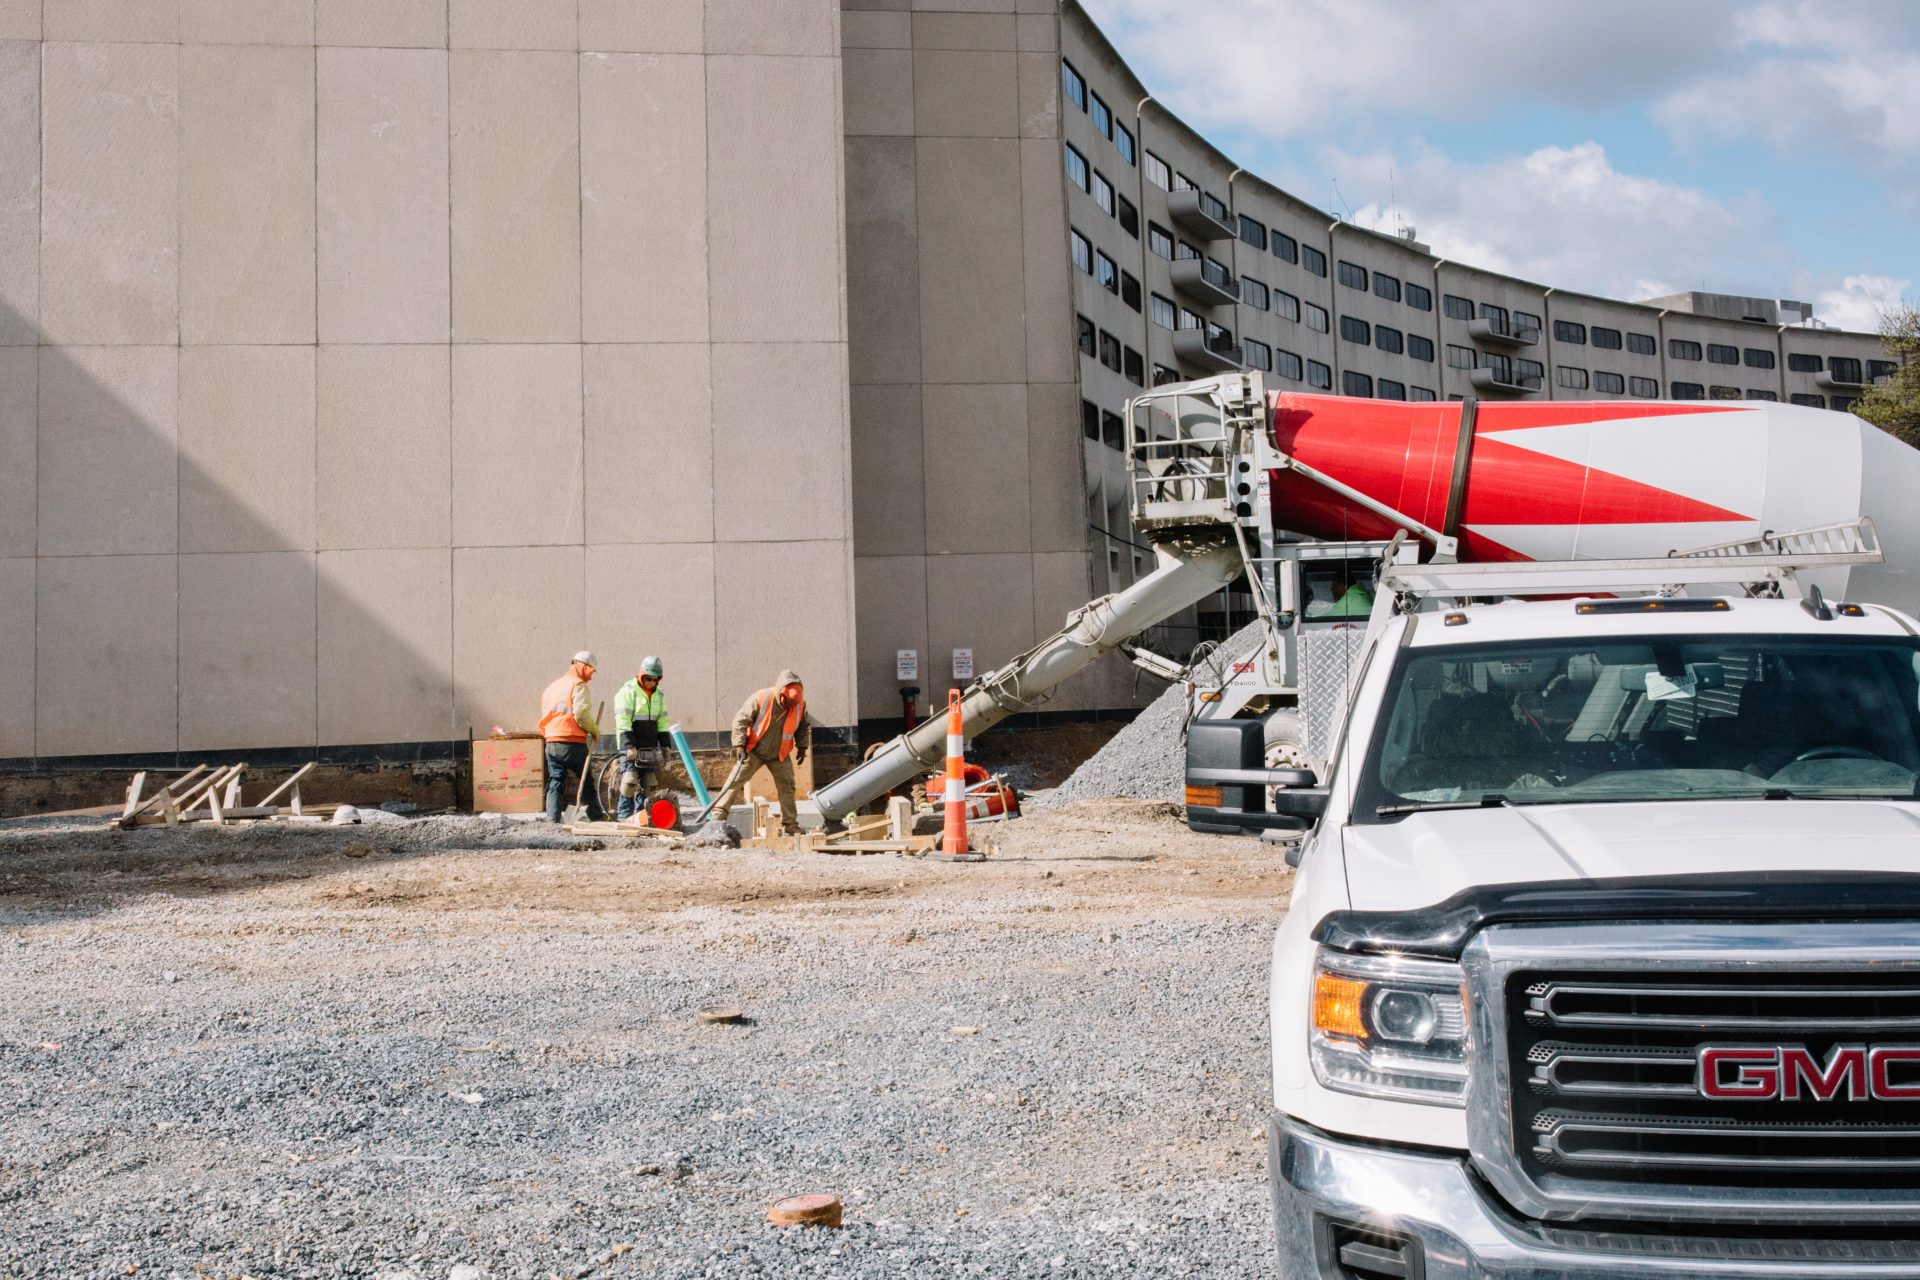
column 1147, row 760
column 320, row 1073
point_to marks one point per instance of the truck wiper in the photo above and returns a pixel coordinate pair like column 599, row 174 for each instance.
column 1427, row 806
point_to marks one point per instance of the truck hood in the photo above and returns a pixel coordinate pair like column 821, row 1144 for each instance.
column 1428, row 857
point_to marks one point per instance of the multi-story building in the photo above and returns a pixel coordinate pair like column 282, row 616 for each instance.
column 358, row 362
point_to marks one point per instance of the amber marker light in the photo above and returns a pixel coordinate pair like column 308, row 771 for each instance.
column 1204, row 798
column 1337, row 1003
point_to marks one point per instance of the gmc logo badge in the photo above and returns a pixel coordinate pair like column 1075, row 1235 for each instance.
column 1790, row 1073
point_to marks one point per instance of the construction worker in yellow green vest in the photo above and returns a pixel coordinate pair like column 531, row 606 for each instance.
column 640, row 719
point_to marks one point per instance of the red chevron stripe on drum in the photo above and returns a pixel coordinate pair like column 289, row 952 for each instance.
column 1563, row 413
column 1511, row 484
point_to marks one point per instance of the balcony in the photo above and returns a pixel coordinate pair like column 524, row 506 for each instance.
column 1844, row 379
column 1201, row 214
column 1208, row 283
column 1504, row 382
column 1214, row 354
column 1498, row 333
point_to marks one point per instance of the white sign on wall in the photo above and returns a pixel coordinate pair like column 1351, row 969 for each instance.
column 963, row 664
column 906, row 664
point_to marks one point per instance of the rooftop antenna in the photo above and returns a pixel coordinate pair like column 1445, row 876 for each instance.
column 1393, row 200
column 1340, row 200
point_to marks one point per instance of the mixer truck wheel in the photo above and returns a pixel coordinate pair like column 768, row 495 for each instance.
column 1283, row 732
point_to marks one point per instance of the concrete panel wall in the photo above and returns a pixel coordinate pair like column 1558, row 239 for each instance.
column 295, row 305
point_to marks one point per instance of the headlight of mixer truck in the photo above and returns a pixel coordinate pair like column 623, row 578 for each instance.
column 1389, row 1027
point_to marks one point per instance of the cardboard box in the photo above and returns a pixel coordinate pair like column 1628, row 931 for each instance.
column 510, row 774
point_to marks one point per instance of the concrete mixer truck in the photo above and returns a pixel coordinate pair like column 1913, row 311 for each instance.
column 1303, row 494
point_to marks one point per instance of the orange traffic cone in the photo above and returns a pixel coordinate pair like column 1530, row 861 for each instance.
column 953, row 841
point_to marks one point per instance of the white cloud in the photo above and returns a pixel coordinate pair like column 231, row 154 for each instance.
column 1564, row 216
column 1859, row 302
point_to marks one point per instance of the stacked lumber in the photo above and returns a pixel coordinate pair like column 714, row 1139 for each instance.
column 202, row 796
column 891, row 832
column 622, row 829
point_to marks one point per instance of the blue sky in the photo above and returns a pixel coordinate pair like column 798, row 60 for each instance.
column 1769, row 147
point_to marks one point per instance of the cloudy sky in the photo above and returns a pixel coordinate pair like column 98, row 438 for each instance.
column 1767, row 147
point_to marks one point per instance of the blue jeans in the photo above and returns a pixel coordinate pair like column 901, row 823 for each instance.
column 565, row 758
column 645, row 776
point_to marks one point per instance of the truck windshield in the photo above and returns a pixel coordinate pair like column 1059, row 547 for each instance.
column 1659, row 719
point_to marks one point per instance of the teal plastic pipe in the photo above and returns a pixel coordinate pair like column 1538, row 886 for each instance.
column 693, row 770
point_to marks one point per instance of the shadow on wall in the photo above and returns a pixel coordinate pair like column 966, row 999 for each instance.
column 164, row 596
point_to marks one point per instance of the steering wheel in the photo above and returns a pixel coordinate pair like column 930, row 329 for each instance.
column 1837, row 753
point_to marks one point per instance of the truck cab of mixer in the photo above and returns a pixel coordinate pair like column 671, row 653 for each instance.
column 1603, row 958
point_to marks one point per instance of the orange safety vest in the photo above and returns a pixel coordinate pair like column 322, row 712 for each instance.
column 769, row 698
column 557, row 722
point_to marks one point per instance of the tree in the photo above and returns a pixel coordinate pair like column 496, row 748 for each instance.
column 1894, row 406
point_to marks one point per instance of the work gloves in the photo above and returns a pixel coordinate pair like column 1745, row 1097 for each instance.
column 799, row 758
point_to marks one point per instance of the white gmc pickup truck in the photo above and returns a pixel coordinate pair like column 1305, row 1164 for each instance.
column 1603, row 958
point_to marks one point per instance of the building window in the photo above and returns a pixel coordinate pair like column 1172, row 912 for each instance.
column 1568, row 331
column 1353, row 329
column 1159, row 241
column 1157, row 172
column 1844, row 369
column 1642, row 344
column 1808, row 401
column 1286, row 365
column 1352, row 275
column 1135, row 366
column 1802, row 362
column 1109, row 351
column 1841, row 404
column 1456, row 307
column 1611, row 383
column 1681, row 349
column 1285, row 248
column 1605, row 339
column 1388, row 389
column 1757, row 358
column 1876, row 369
column 1319, row 375
column 1421, row 393
column 1286, row 306
column 1253, row 293
column 1718, row 353
column 1077, row 170
column 1163, row 375
column 1184, row 252
column 1253, row 232
column 1129, row 216
column 1420, row 298
column 1387, row 339
column 1314, row 261
column 1130, row 289
column 1160, row 311
column 1113, row 432
column 1074, row 83
column 1181, row 182
column 1082, row 251
column 1499, row 364
column 1387, row 287
column 1106, row 272
column 1645, row 388
column 1686, row 391
column 1569, row 377
column 1717, row 392
column 1355, row 384
column 1188, row 320
column 1102, row 118
column 1123, row 142
column 1496, row 316
column 1103, row 193
column 1317, row 319
column 1459, row 357
column 1258, row 354
column 1085, row 327
column 1754, row 393
column 1420, row 348
column 1211, row 206
column 1532, row 372
column 1090, row 420
column 1526, row 324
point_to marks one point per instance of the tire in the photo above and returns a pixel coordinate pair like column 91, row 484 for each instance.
column 1284, row 735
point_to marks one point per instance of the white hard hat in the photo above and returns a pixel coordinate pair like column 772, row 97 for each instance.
column 586, row 656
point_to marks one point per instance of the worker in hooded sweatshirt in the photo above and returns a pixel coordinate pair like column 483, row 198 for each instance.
column 772, row 731
column 640, row 722
column 567, row 724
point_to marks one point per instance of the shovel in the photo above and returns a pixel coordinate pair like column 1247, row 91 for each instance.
column 733, row 780
column 577, row 811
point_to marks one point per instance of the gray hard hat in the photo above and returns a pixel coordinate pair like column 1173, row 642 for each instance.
column 652, row 666
column 586, row 656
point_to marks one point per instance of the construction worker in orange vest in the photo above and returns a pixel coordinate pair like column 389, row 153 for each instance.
column 772, row 731
column 566, row 722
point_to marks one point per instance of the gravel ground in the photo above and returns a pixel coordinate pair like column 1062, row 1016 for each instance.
column 1147, row 760
column 406, row 1051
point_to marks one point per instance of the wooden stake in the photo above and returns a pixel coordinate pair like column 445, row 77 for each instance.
column 290, row 782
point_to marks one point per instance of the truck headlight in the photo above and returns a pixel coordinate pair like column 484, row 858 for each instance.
column 1388, row 1027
